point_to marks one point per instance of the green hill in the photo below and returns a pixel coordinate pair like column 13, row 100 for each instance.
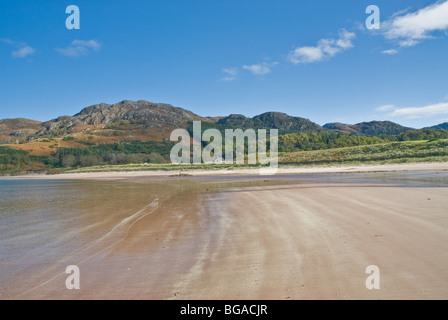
column 442, row 126
column 395, row 152
column 368, row 128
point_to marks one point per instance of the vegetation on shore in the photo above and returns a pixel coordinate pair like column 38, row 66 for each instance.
column 138, row 155
column 396, row 152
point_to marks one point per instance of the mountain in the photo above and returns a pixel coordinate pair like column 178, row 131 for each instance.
column 142, row 116
column 17, row 129
column 271, row 120
column 368, row 128
column 139, row 132
column 154, row 121
column 442, row 126
column 129, row 121
column 153, row 114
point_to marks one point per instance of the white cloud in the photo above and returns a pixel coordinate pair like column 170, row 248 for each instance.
column 23, row 52
column 80, row 48
column 230, row 71
column 260, row 69
column 419, row 112
column 387, row 107
column 22, row 49
column 8, row 41
column 231, row 74
column 325, row 48
column 390, row 51
column 408, row 43
column 411, row 28
column 306, row 55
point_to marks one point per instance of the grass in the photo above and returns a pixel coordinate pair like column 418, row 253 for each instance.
column 396, row 152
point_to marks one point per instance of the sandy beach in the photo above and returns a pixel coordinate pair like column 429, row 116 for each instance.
column 263, row 241
column 283, row 170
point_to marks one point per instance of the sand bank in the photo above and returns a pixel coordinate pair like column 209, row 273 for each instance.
column 282, row 170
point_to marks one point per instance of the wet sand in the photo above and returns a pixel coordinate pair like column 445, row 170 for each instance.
column 262, row 241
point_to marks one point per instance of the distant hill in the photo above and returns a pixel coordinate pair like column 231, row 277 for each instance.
column 271, row 120
column 153, row 114
column 144, row 121
column 368, row 128
column 141, row 117
column 136, row 132
column 442, row 126
column 17, row 129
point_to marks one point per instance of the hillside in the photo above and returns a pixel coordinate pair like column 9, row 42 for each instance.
column 271, row 120
column 137, row 132
column 395, row 152
column 442, row 126
column 368, row 128
column 17, row 129
column 140, row 117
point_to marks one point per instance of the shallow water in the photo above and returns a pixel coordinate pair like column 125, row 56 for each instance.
column 46, row 222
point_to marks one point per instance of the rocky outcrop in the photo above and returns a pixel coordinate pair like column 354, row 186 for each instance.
column 18, row 128
column 153, row 114
column 144, row 113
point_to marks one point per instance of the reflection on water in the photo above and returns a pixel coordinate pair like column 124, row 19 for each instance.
column 399, row 178
column 44, row 221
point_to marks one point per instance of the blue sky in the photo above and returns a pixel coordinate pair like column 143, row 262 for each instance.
column 309, row 58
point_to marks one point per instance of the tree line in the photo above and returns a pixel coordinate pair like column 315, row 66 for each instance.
column 16, row 161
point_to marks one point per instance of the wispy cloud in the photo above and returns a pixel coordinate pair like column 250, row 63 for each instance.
column 417, row 112
column 23, row 52
column 8, row 41
column 411, row 28
column 387, row 107
column 260, row 69
column 231, row 74
column 80, row 48
column 325, row 48
column 401, row 12
column 390, row 51
column 22, row 49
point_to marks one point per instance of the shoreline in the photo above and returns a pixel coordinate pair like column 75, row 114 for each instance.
column 421, row 166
